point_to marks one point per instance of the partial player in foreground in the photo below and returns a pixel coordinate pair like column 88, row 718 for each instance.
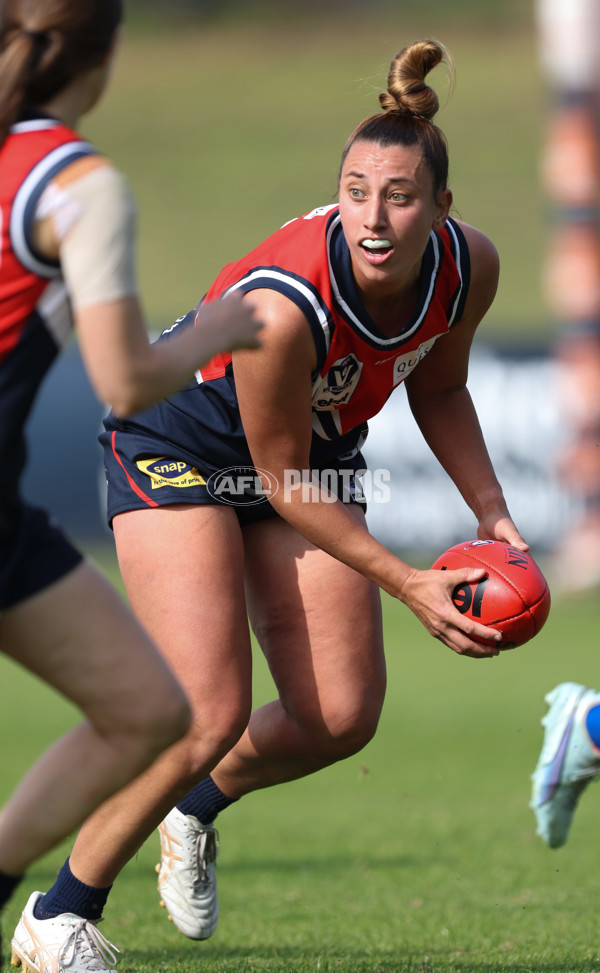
column 569, row 760
column 66, row 221
column 356, row 298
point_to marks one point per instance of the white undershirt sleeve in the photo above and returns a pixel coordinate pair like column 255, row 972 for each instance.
column 94, row 219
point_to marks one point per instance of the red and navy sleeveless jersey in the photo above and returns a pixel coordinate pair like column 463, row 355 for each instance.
column 35, row 317
column 308, row 261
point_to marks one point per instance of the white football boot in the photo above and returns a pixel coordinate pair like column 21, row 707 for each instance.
column 187, row 874
column 568, row 761
column 65, row 944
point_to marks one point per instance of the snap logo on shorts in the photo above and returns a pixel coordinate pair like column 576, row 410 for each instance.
column 164, row 471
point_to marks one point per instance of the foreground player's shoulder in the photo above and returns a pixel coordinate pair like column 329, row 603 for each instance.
column 95, row 180
column 81, row 166
column 94, row 217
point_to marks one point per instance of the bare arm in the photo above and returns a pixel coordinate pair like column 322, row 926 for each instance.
column 274, row 392
column 130, row 373
column 87, row 221
column 443, row 409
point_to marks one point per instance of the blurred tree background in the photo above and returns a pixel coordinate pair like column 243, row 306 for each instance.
column 229, row 118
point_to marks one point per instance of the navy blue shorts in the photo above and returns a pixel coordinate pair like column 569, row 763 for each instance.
column 34, row 553
column 142, row 472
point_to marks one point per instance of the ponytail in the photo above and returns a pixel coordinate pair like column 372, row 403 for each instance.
column 45, row 45
column 17, row 65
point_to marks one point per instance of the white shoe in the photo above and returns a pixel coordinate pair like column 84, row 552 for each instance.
column 567, row 763
column 187, row 874
column 65, row 944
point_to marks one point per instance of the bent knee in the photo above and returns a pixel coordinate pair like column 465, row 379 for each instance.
column 176, row 719
column 154, row 724
column 212, row 745
column 343, row 734
column 352, row 738
column 207, row 742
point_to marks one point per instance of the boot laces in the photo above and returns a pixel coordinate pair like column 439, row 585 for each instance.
column 88, row 944
column 207, row 847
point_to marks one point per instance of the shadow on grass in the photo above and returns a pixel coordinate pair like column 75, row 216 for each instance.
column 45, row 875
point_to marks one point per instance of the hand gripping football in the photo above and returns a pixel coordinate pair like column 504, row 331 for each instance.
column 513, row 597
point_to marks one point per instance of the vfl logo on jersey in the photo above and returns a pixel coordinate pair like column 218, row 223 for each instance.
column 164, row 471
column 404, row 364
column 337, row 387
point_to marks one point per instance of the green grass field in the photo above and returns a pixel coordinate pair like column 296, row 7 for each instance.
column 416, row 856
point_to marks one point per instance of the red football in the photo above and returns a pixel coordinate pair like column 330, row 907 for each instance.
column 513, row 597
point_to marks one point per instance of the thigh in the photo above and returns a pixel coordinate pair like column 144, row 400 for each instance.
column 318, row 623
column 182, row 567
column 79, row 636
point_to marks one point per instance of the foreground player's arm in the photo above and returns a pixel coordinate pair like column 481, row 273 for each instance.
column 88, row 223
column 274, row 393
column 444, row 411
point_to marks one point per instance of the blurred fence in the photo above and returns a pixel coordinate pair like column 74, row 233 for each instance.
column 414, row 506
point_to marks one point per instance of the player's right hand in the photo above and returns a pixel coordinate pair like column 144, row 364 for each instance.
column 235, row 319
column 429, row 595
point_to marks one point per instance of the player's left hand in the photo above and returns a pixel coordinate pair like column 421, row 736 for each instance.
column 501, row 529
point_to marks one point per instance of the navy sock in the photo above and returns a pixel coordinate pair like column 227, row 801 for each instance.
column 592, row 724
column 8, row 884
column 68, row 894
column 205, row 801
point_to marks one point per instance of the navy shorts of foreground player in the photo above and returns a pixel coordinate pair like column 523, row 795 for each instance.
column 34, row 553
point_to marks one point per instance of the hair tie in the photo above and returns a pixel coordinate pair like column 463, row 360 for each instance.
column 35, row 35
column 409, row 113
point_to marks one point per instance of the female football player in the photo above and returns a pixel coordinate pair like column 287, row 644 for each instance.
column 66, row 220
column 248, row 478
